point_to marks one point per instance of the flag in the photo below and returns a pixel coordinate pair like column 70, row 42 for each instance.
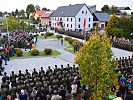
column 84, row 23
column 58, row 22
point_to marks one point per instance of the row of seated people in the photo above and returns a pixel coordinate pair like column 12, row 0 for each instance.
column 122, row 43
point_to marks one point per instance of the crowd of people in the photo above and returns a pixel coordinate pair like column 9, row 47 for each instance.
column 122, row 43
column 53, row 84
column 61, row 83
column 125, row 70
column 16, row 39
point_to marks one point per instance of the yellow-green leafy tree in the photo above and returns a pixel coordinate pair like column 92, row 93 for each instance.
column 12, row 23
column 112, row 28
column 97, row 66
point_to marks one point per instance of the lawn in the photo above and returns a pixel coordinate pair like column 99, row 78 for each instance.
column 70, row 49
column 41, row 54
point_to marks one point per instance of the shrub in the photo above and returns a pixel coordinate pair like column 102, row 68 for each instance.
column 18, row 52
column 70, row 41
column 59, row 36
column 67, row 38
column 47, row 34
column 34, row 52
column 77, row 45
column 47, row 51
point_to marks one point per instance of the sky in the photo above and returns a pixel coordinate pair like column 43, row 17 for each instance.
column 11, row 5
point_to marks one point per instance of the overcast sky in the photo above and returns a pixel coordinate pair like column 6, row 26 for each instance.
column 11, row 5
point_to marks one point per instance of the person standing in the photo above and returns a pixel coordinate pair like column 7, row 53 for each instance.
column 61, row 41
column 23, row 95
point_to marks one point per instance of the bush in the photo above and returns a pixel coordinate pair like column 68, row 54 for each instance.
column 70, row 41
column 18, row 52
column 34, row 52
column 59, row 36
column 67, row 38
column 47, row 51
column 77, row 45
column 47, row 34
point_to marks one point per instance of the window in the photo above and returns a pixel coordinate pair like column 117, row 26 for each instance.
column 55, row 24
column 89, row 25
column 71, row 19
column 89, row 19
column 79, row 26
column 60, row 19
column 67, row 19
column 86, row 12
column 79, row 19
column 55, row 19
column 64, row 25
column 82, row 12
column 67, row 25
column 71, row 26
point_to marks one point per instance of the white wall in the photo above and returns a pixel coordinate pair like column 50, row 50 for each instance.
column 100, row 23
column 86, row 16
column 75, row 20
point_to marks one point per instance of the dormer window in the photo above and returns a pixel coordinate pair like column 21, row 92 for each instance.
column 82, row 12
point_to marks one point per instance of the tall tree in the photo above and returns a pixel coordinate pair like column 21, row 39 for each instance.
column 21, row 14
column 12, row 23
column 112, row 27
column 13, row 13
column 30, row 8
column 16, row 12
column 105, row 8
column 37, row 7
column 97, row 66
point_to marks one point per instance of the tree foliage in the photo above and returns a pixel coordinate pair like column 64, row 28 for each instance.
column 21, row 14
column 97, row 66
column 12, row 23
column 112, row 27
column 30, row 8
column 120, row 27
column 37, row 7
column 44, row 8
column 105, row 9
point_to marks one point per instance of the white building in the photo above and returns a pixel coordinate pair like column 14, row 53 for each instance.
column 72, row 17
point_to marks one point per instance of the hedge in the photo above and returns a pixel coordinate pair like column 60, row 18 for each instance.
column 47, row 34
column 59, row 36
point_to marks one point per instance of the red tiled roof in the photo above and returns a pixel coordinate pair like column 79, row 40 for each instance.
column 41, row 12
column 47, row 13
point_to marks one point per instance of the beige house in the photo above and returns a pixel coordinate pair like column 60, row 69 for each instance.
column 45, row 18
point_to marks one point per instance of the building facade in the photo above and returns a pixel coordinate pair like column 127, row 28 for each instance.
column 72, row 18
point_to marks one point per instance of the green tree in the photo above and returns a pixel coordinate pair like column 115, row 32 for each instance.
column 30, row 8
column 21, row 14
column 105, row 8
column 44, row 8
column 12, row 23
column 112, row 27
column 97, row 66
column 37, row 7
